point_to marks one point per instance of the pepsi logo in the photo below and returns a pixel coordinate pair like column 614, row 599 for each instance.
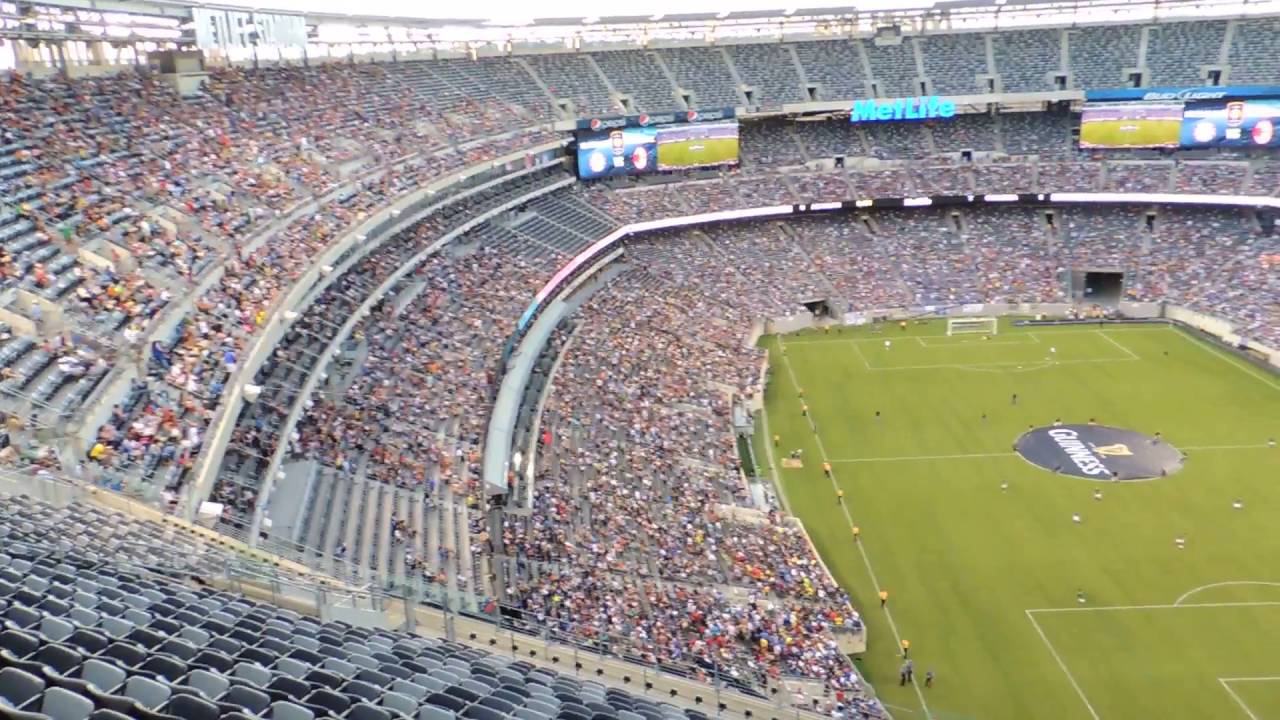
column 595, row 123
column 691, row 115
column 644, row 119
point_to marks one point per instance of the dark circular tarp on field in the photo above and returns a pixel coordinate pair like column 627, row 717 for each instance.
column 1098, row 452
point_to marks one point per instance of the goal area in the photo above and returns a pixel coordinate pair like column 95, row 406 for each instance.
column 971, row 325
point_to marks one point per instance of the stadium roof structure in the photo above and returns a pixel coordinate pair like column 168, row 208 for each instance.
column 324, row 26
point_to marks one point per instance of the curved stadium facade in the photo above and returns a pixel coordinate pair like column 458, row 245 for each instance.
column 360, row 320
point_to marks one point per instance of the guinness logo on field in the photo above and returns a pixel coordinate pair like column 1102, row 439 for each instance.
column 1098, row 452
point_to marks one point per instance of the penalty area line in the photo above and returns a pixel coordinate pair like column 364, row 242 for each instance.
column 1063, row 665
column 1123, row 349
column 1226, row 685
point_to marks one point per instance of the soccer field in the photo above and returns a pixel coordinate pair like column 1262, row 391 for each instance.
column 983, row 580
column 1131, row 133
column 696, row 153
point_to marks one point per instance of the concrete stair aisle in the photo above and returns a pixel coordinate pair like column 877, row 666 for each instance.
column 368, row 528
column 350, row 522
column 321, row 510
column 404, row 512
column 448, row 535
column 462, row 541
column 339, row 497
column 431, row 532
column 385, row 530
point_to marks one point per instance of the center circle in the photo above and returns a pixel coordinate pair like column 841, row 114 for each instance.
column 1098, row 452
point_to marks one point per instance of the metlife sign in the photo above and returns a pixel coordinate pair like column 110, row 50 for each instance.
column 1234, row 92
column 917, row 108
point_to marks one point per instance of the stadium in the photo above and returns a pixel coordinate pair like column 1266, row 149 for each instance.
column 901, row 361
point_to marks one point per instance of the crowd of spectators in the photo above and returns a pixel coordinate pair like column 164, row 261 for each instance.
column 633, row 539
column 430, row 371
column 123, row 170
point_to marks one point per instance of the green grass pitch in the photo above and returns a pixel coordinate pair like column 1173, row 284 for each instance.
column 694, row 153
column 1131, row 133
column 983, row 581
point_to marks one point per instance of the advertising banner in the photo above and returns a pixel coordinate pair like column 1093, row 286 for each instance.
column 1181, row 95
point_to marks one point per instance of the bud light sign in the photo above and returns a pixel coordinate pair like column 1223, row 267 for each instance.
column 916, row 108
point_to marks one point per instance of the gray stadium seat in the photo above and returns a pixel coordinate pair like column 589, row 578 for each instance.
column 62, row 704
column 18, row 687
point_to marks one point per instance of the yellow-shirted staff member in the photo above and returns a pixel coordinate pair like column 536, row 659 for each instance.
column 826, row 468
column 777, row 439
column 884, row 598
column 906, row 647
column 840, row 495
column 857, row 533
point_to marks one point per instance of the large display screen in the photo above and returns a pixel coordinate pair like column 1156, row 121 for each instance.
column 697, row 145
column 640, row 150
column 1131, row 125
column 625, row 151
column 1231, row 123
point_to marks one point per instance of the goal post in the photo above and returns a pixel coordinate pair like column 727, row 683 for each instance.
column 971, row 325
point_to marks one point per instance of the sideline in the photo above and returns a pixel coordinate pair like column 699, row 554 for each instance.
column 862, row 550
column 1218, row 353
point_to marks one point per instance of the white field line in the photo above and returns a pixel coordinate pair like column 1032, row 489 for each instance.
column 856, row 349
column 1230, row 361
column 966, row 456
column 1255, row 446
column 888, row 336
column 1001, row 364
column 844, row 507
column 1228, row 583
column 1226, row 685
column 1058, row 658
column 905, row 458
column 1116, row 608
column 773, row 468
column 1175, row 606
column 1032, row 340
column 1123, row 349
column 860, row 356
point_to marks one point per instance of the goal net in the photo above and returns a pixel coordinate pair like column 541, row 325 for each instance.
column 970, row 325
